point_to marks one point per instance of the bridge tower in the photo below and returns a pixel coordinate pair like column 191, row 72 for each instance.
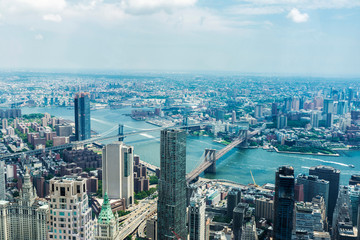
column 243, row 133
column 121, row 132
column 210, row 156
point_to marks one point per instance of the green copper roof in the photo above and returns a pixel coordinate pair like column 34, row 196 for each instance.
column 106, row 215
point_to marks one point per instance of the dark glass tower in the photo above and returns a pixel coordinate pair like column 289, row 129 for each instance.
column 82, row 116
column 284, row 202
column 333, row 176
column 172, row 185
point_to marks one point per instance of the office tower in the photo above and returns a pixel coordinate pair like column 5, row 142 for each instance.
column 314, row 186
column 295, row 104
column 329, row 120
column 249, row 230
column 354, row 180
column 2, row 181
column 274, row 109
column 314, row 119
column 82, row 116
column 328, row 106
column 299, row 192
column 118, row 172
column 310, row 217
column 264, row 208
column 26, row 218
column 281, row 121
column 341, row 108
column 333, row 176
column 151, row 228
column 172, row 185
column 233, row 117
column 351, row 95
column 4, row 123
column 197, row 217
column 70, row 215
column 239, row 214
column 287, row 104
column 220, row 114
column 233, row 199
column 354, row 193
column 259, row 109
column 284, row 202
column 342, row 225
column 107, row 227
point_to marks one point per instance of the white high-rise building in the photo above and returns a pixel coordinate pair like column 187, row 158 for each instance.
column 197, row 217
column 117, row 175
column 70, row 214
column 2, row 181
column 314, row 119
column 27, row 218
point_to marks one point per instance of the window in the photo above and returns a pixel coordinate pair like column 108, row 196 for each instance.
column 62, row 191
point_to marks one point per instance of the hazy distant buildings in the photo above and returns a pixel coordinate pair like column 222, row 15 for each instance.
column 329, row 120
column 118, row 173
column 82, row 116
column 284, row 202
column 259, row 109
column 333, row 176
column 314, row 119
column 172, row 185
column 281, row 121
column 328, row 106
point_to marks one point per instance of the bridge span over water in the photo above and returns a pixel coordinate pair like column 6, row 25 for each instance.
column 208, row 164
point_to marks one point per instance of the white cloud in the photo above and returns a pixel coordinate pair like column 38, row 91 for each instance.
column 152, row 6
column 52, row 17
column 296, row 16
column 39, row 37
column 42, row 5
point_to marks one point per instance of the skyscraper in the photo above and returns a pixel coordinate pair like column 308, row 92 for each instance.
column 314, row 186
column 82, row 116
column 233, row 199
column 70, row 215
column 314, row 119
column 118, row 172
column 333, row 176
column 2, row 181
column 172, row 185
column 281, row 121
column 284, row 202
column 197, row 217
column 26, row 218
column 328, row 106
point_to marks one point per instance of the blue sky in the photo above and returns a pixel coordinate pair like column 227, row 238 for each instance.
column 307, row 37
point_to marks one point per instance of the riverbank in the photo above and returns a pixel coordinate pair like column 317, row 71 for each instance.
column 308, row 153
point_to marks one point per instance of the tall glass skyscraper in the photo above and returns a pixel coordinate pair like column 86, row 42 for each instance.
column 172, row 185
column 284, row 203
column 333, row 176
column 82, row 116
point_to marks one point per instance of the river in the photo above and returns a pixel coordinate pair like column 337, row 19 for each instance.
column 234, row 166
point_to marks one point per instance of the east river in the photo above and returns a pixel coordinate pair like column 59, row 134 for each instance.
column 234, row 166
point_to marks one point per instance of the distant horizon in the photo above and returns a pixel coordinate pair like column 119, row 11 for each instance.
column 106, row 71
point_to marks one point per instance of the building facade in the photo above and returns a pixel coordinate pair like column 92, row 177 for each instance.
column 70, row 214
column 118, row 172
column 284, row 203
column 107, row 227
column 197, row 217
column 172, row 185
column 82, row 116
column 2, row 181
column 26, row 218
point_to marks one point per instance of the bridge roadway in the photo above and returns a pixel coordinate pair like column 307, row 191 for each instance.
column 205, row 164
column 88, row 141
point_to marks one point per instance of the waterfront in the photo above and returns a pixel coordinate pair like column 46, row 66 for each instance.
column 234, row 166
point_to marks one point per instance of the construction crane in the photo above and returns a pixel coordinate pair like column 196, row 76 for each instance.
column 176, row 235
column 253, row 179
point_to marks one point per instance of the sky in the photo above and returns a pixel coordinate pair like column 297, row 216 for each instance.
column 307, row 37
